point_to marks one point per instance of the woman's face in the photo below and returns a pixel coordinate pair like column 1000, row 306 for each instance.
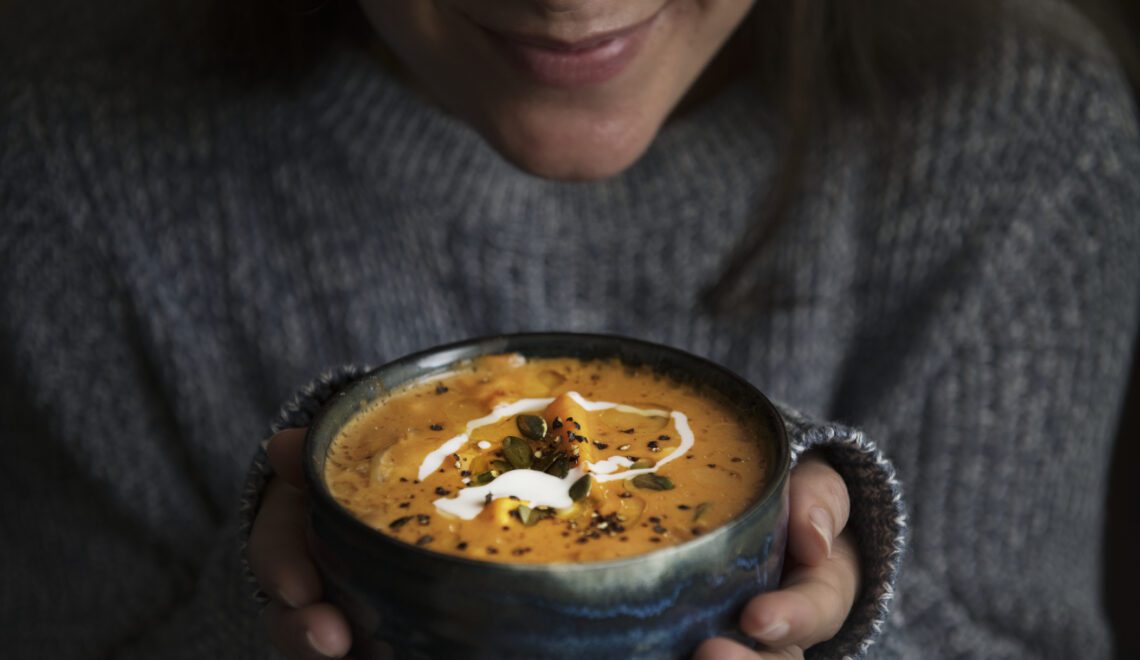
column 568, row 89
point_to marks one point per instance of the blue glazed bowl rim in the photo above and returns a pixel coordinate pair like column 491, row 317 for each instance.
column 438, row 358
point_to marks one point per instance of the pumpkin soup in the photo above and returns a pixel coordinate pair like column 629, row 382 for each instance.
column 546, row 460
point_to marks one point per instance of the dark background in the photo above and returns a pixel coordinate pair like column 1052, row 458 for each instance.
column 1122, row 534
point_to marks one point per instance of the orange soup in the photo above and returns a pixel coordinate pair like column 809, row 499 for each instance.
column 547, row 460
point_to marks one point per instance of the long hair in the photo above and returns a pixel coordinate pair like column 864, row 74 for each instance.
column 820, row 59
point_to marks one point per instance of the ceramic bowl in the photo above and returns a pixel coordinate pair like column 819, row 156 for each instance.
column 423, row 604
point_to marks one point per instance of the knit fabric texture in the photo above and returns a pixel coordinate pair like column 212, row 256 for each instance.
column 179, row 253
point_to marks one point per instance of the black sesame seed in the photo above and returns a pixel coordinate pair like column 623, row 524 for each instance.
column 696, row 531
column 462, row 545
column 736, row 459
column 654, row 539
column 557, row 423
column 423, row 518
column 712, row 465
column 404, row 505
column 629, row 430
column 440, row 389
column 662, row 437
column 424, row 540
column 492, row 550
column 659, row 529
column 600, row 445
column 399, row 522
column 436, row 427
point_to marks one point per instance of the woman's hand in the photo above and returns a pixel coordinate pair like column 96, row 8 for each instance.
column 818, row 588
column 821, row 576
column 298, row 622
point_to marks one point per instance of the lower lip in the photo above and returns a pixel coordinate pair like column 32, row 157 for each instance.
column 576, row 68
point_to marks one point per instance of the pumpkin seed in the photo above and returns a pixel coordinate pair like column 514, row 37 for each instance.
column 702, row 508
column 529, row 516
column 581, row 487
column 501, row 466
column 531, row 426
column 517, row 452
column 653, row 482
column 543, row 462
column 483, row 478
column 642, row 463
column 559, row 468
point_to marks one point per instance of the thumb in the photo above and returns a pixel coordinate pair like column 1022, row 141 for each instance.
column 819, row 507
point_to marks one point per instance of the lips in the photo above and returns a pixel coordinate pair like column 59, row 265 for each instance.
column 582, row 63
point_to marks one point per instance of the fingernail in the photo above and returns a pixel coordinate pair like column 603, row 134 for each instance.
column 821, row 521
column 774, row 632
column 317, row 644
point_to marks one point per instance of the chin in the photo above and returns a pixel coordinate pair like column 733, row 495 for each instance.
column 569, row 145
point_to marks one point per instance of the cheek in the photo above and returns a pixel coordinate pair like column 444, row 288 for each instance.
column 415, row 31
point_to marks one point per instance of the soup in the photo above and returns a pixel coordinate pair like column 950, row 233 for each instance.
column 547, row 460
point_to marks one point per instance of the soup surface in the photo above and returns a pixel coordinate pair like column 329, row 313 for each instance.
column 547, row 460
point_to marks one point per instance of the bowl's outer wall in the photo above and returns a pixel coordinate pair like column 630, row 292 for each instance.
column 658, row 605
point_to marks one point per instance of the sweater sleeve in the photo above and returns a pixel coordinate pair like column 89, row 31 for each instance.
column 298, row 412
column 877, row 519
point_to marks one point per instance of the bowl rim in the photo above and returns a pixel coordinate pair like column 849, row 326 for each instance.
column 318, row 494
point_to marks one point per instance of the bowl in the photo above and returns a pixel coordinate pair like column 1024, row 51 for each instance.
column 422, row 604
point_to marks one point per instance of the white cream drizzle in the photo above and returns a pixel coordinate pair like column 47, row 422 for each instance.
column 500, row 412
column 532, row 487
column 536, row 488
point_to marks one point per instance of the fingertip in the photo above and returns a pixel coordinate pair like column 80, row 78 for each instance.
column 327, row 630
column 320, row 629
column 299, row 587
column 766, row 618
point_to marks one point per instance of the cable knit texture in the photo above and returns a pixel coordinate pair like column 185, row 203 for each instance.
column 180, row 251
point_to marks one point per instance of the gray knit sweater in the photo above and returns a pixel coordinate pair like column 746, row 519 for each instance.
column 178, row 254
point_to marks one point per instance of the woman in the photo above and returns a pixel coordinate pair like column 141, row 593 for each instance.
column 947, row 263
